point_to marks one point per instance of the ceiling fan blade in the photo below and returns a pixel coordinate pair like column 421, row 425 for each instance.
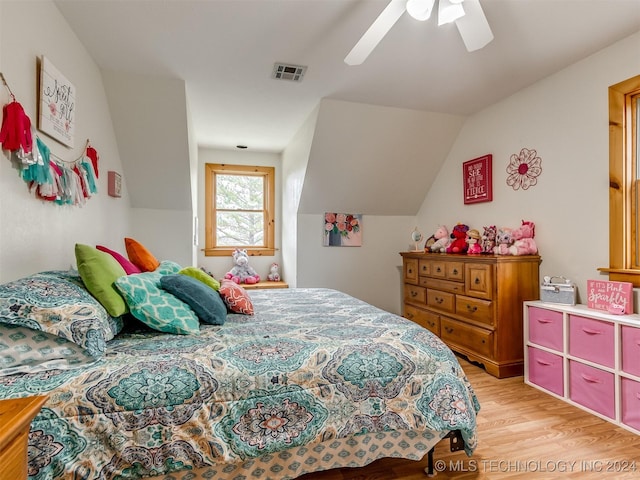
column 376, row 32
column 473, row 27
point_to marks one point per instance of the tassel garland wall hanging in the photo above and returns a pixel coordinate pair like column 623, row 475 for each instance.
column 49, row 176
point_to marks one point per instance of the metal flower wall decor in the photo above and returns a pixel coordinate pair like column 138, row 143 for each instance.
column 523, row 169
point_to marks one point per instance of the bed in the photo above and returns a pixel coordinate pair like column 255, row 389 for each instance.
column 314, row 379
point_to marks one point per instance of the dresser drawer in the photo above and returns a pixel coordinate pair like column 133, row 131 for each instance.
column 631, row 350
column 455, row 271
column 630, row 403
column 428, row 320
column 475, row 309
column 444, row 285
column 439, row 269
column 545, row 327
column 592, row 387
column 479, row 280
column 546, row 370
column 591, row 340
column 444, row 301
column 424, row 267
column 415, row 294
column 475, row 339
column 411, row 270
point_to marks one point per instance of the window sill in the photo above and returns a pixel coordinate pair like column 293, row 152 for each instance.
column 227, row 252
column 622, row 275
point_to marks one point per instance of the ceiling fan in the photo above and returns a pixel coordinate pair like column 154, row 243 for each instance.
column 469, row 18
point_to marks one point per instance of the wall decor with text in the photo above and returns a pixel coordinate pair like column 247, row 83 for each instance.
column 56, row 104
column 477, row 182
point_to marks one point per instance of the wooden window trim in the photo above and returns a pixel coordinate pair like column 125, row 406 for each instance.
column 211, row 169
column 624, row 263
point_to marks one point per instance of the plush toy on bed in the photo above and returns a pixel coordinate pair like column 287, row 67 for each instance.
column 523, row 242
column 459, row 236
column 442, row 240
column 242, row 272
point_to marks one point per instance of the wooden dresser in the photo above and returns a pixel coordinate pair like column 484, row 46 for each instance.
column 15, row 422
column 473, row 303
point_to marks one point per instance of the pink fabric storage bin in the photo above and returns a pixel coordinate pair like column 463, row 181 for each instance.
column 630, row 403
column 545, row 327
column 592, row 387
column 546, row 370
column 591, row 340
column 631, row 350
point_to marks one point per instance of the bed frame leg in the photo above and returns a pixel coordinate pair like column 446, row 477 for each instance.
column 455, row 443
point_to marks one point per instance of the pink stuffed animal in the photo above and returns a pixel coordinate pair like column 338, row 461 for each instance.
column 442, row 240
column 473, row 237
column 503, row 241
column 523, row 242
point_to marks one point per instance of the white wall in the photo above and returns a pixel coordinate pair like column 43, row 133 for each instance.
column 221, row 265
column 565, row 119
column 36, row 235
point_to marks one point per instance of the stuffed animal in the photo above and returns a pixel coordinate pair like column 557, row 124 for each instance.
column 523, row 242
column 242, row 272
column 459, row 236
column 503, row 241
column 488, row 240
column 442, row 240
column 274, row 275
column 473, row 239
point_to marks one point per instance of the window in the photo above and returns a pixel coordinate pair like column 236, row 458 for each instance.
column 624, row 182
column 239, row 209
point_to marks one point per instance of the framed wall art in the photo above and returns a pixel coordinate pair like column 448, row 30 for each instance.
column 342, row 229
column 57, row 104
column 477, row 181
column 114, row 184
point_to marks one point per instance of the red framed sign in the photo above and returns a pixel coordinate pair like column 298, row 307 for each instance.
column 477, row 183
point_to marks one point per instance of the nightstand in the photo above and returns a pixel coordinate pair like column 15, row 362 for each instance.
column 264, row 285
column 15, row 421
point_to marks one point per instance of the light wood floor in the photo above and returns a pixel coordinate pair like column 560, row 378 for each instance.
column 523, row 433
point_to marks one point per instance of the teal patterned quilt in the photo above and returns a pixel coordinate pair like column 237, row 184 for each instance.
column 309, row 366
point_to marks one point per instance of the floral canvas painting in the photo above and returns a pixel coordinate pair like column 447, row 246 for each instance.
column 342, row 230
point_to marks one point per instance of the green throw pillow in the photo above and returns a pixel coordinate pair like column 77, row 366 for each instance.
column 198, row 274
column 155, row 307
column 99, row 271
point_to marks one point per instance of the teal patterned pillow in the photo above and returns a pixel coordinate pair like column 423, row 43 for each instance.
column 167, row 267
column 155, row 307
column 58, row 303
column 23, row 350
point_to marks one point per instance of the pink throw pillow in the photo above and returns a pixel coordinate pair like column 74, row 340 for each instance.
column 124, row 262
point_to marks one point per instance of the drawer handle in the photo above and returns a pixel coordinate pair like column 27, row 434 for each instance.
column 448, row 329
column 432, row 324
column 439, row 300
column 409, row 271
column 542, row 362
column 414, row 293
column 544, row 320
column 589, row 379
column 588, row 331
column 409, row 315
column 438, row 269
column 476, row 281
column 471, row 309
column 455, row 271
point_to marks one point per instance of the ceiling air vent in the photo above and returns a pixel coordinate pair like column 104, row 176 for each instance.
column 283, row 71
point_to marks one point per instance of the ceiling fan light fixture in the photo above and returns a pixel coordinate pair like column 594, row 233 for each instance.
column 420, row 9
column 449, row 11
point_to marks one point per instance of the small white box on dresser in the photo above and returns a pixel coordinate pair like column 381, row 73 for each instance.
column 586, row 357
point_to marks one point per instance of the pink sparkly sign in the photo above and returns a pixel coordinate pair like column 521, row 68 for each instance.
column 612, row 297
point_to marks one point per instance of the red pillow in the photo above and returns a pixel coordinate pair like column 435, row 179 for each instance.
column 126, row 264
column 235, row 297
column 140, row 256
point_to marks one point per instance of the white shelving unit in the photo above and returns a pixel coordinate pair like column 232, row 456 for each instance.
column 588, row 358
